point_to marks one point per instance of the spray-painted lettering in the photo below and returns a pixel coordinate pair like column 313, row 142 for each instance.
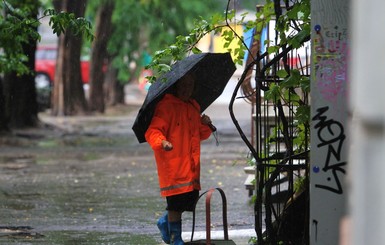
column 315, row 224
column 331, row 136
column 330, row 62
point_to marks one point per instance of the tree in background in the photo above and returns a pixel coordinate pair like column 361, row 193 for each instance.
column 18, row 37
column 19, row 94
column 68, row 94
column 103, row 30
column 141, row 27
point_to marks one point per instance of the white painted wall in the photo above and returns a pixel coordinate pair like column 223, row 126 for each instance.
column 367, row 104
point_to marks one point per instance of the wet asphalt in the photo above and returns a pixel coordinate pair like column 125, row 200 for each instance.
column 90, row 182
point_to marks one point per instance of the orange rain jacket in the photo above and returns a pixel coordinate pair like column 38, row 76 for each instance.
column 179, row 123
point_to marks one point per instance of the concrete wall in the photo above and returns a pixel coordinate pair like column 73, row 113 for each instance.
column 329, row 115
column 367, row 105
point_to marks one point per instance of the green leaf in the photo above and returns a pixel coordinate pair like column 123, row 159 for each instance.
column 303, row 114
column 298, row 39
column 305, row 84
column 164, row 68
column 273, row 93
column 293, row 80
column 273, row 49
column 282, row 73
column 196, row 50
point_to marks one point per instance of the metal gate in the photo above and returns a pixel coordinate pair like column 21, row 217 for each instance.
column 281, row 144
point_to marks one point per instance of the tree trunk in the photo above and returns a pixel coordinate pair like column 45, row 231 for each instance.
column 99, row 54
column 114, row 90
column 19, row 107
column 68, row 94
column 3, row 118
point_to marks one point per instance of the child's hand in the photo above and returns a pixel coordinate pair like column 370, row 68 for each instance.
column 205, row 119
column 167, row 146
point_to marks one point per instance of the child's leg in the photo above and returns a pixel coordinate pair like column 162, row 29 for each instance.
column 175, row 229
column 174, row 216
column 163, row 227
column 176, row 205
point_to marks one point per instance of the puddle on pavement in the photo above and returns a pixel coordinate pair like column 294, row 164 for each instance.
column 75, row 238
column 88, row 189
column 84, row 141
column 78, row 202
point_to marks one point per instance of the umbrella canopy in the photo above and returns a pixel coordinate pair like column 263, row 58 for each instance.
column 212, row 71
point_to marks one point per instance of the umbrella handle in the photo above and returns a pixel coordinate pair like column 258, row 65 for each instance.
column 212, row 127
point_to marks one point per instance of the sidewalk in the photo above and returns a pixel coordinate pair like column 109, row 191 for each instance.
column 88, row 181
column 240, row 237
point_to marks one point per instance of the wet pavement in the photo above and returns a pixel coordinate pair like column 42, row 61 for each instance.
column 87, row 181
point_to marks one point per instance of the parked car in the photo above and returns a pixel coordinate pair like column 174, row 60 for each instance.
column 45, row 65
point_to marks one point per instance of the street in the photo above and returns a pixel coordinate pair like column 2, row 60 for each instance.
column 86, row 180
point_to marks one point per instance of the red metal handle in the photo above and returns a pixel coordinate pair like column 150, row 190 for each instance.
column 208, row 216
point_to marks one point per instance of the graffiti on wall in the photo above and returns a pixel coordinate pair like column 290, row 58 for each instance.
column 330, row 61
column 329, row 119
column 331, row 137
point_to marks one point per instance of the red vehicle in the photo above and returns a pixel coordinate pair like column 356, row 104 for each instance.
column 45, row 65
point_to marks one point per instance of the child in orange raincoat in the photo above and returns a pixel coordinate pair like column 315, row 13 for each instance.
column 175, row 133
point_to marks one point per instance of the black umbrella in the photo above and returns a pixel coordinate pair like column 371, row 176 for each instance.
column 212, row 72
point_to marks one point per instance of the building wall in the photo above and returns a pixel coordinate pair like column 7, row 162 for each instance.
column 367, row 107
column 329, row 119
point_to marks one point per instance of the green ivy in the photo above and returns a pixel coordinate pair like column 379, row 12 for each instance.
column 18, row 26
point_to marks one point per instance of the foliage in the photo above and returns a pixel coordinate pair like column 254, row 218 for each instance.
column 62, row 22
column 293, row 28
column 18, row 26
column 300, row 184
column 16, row 29
column 187, row 44
column 140, row 27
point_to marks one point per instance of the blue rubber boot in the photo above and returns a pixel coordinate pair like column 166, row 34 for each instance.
column 175, row 229
column 163, row 227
